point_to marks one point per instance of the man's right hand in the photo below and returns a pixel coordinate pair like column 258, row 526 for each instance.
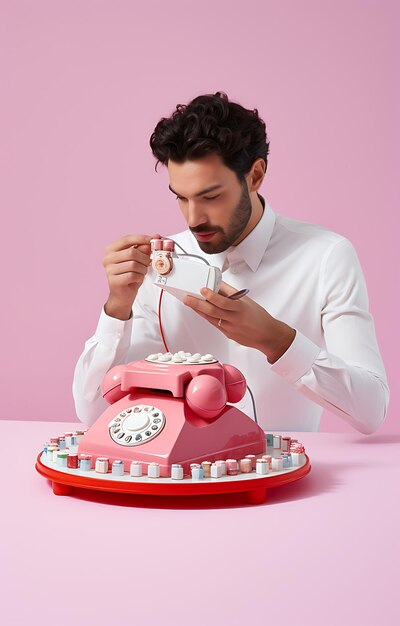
column 126, row 262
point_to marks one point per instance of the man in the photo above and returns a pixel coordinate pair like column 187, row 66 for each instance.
column 303, row 337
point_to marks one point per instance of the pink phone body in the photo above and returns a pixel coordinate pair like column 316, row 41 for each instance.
column 173, row 413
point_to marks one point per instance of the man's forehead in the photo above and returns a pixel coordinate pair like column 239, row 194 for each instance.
column 197, row 177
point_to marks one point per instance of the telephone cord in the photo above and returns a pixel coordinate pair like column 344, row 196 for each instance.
column 166, row 349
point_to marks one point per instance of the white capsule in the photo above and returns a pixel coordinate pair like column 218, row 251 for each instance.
column 153, row 357
column 277, row 463
column 298, row 458
column 176, row 471
column 164, row 358
column 177, row 359
column 153, row 470
column 216, row 470
column 262, row 467
column 136, row 469
column 101, row 465
column 188, row 354
column 223, row 466
column 117, row 468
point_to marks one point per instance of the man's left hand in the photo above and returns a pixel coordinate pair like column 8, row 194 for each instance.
column 243, row 321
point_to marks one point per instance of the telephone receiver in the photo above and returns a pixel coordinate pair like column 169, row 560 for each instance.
column 206, row 392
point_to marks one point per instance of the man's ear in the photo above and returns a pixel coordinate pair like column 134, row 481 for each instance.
column 256, row 175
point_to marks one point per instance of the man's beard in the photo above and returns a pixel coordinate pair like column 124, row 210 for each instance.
column 240, row 218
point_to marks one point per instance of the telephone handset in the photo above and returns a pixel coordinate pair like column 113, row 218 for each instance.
column 207, row 390
column 173, row 409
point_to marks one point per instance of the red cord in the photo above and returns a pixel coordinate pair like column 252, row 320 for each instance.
column 159, row 321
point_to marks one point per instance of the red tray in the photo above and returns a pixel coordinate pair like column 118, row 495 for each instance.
column 254, row 487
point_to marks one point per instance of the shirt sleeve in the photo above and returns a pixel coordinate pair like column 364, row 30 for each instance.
column 114, row 341
column 347, row 375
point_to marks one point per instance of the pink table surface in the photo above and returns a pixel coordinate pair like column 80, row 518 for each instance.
column 323, row 550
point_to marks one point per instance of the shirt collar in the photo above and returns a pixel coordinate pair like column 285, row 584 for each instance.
column 251, row 250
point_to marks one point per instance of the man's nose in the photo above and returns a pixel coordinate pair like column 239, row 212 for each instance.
column 195, row 215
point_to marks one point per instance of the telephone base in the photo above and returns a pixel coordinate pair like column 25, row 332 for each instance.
column 254, row 486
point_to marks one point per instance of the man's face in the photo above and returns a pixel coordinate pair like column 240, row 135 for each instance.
column 216, row 217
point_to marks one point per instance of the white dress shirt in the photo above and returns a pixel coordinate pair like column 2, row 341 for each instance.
column 302, row 274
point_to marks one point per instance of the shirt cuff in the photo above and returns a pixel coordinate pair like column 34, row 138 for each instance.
column 298, row 358
column 109, row 329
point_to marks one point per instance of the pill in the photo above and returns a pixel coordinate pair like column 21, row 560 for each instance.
column 49, row 452
column 197, row 473
column 277, row 442
column 277, row 463
column 206, row 465
column 262, row 466
column 245, row 465
column 176, row 471
column 85, row 462
column 153, row 470
column 268, row 458
column 216, row 470
column 117, row 468
column 232, row 467
column 62, row 458
column 136, row 469
column 223, row 466
column 101, row 465
column 72, row 460
column 298, row 458
column 253, row 460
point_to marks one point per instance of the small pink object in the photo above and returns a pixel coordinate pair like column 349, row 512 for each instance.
column 101, row 465
column 206, row 396
column 156, row 244
column 168, row 245
column 232, row 467
column 253, row 460
column 268, row 458
column 245, row 465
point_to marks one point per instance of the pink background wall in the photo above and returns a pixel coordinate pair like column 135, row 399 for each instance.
column 83, row 85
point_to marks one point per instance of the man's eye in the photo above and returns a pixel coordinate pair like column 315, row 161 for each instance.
column 205, row 197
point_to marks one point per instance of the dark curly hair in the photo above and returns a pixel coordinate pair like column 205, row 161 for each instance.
column 212, row 124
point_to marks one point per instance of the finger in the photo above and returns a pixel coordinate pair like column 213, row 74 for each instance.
column 226, row 289
column 214, row 322
column 205, row 307
column 220, row 301
column 130, row 240
column 129, row 266
column 129, row 254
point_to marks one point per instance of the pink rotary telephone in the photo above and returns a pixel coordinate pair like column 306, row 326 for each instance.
column 173, row 409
